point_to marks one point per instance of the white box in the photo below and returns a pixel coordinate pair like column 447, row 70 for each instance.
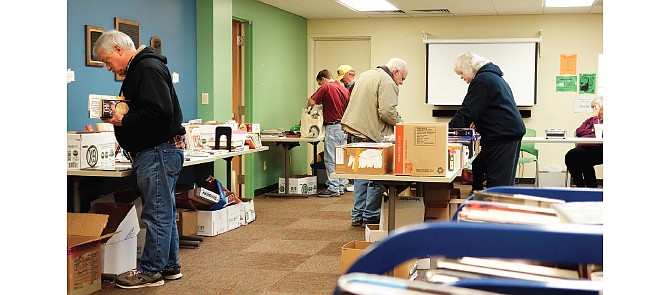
column 374, row 234
column 212, row 223
column 300, row 184
column 119, row 252
column 90, row 150
column 141, row 237
column 552, row 179
column 208, row 134
column 235, row 213
column 119, row 257
column 249, row 212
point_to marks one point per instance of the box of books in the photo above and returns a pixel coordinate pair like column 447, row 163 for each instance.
column 90, row 150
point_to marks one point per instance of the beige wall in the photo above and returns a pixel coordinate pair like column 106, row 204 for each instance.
column 580, row 34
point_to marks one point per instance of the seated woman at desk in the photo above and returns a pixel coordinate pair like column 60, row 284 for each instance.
column 581, row 159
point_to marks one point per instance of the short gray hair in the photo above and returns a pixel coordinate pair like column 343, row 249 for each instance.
column 110, row 38
column 396, row 64
column 469, row 63
column 597, row 101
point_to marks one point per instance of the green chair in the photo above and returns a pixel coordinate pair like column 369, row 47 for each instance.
column 529, row 154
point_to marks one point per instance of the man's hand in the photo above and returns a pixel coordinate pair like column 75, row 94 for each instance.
column 116, row 120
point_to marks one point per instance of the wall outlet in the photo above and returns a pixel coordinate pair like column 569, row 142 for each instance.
column 265, row 165
column 205, row 98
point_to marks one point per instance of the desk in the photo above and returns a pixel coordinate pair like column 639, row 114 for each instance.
column 393, row 181
column 562, row 140
column 289, row 143
column 125, row 170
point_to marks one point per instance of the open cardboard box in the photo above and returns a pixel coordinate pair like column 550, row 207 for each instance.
column 84, row 263
column 353, row 249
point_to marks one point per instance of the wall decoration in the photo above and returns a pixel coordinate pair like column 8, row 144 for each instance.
column 92, row 35
column 132, row 29
column 156, row 44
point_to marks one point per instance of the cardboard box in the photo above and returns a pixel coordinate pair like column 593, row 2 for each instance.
column 249, row 211
column 364, row 158
column 125, row 196
column 352, row 250
column 119, row 252
column 421, row 149
column 187, row 222
column 299, row 184
column 212, row 223
column 90, row 150
column 374, row 234
column 408, row 210
column 84, row 261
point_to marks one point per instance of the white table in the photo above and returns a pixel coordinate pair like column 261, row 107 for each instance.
column 540, row 139
column 288, row 143
column 124, row 170
column 393, row 181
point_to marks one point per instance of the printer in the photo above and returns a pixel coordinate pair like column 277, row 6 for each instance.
column 555, row 133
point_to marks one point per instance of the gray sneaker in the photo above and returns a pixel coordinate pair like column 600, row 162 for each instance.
column 326, row 193
column 172, row 273
column 134, row 279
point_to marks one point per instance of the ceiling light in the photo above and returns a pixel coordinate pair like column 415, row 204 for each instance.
column 368, row 5
column 568, row 3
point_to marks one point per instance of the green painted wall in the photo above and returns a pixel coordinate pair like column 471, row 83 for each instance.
column 276, row 57
column 275, row 92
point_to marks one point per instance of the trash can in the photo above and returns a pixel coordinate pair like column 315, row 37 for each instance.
column 553, row 176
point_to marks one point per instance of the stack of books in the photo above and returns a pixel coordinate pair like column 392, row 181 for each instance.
column 509, row 208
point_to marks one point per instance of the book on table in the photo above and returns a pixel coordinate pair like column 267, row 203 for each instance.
column 450, row 270
column 519, row 199
column 580, row 212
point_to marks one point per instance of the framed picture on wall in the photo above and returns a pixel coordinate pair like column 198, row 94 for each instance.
column 92, row 35
column 132, row 29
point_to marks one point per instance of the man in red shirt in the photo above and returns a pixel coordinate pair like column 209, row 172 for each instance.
column 334, row 98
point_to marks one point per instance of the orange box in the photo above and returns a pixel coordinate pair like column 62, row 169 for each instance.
column 421, row 149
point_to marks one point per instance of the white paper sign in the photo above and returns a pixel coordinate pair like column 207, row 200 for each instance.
column 583, row 104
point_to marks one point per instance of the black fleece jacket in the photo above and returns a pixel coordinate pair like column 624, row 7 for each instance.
column 154, row 114
column 490, row 104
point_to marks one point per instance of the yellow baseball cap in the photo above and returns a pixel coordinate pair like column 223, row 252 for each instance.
column 342, row 70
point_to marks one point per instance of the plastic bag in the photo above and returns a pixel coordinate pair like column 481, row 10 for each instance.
column 311, row 122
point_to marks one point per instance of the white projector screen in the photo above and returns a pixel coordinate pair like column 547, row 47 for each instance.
column 516, row 59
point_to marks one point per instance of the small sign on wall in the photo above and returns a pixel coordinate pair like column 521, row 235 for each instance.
column 583, row 103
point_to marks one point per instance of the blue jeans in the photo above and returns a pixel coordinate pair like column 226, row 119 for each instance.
column 334, row 137
column 367, row 194
column 157, row 170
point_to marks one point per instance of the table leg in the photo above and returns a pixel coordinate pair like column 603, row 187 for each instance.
column 316, row 155
column 391, row 219
column 229, row 171
column 76, row 195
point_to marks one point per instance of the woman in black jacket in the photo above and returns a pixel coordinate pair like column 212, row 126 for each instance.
column 489, row 104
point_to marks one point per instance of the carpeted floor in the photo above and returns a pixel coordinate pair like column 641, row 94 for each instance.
column 293, row 247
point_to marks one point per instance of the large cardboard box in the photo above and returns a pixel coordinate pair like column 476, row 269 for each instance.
column 212, row 223
column 353, row 249
column 408, row 210
column 421, row 149
column 90, row 150
column 84, row 261
column 299, row 184
column 364, row 158
column 119, row 252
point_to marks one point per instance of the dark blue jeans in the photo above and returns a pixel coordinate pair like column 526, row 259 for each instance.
column 157, row 170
